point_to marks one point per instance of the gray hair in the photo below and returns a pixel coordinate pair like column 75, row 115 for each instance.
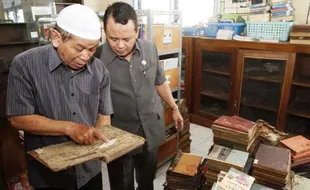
column 64, row 34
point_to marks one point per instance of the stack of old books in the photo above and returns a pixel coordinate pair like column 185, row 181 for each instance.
column 300, row 149
column 222, row 159
column 235, row 132
column 272, row 166
column 184, row 135
column 185, row 172
column 282, row 10
column 259, row 13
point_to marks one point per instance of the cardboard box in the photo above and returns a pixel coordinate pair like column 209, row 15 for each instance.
column 172, row 76
column 167, row 38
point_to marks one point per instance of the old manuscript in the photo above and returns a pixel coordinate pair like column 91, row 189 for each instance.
column 61, row 156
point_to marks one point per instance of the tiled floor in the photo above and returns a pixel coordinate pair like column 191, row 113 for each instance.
column 202, row 139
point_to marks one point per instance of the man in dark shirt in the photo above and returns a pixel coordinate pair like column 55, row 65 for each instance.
column 58, row 93
column 136, row 81
column 4, row 72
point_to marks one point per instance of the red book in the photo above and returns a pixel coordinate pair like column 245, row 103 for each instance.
column 298, row 144
column 235, row 123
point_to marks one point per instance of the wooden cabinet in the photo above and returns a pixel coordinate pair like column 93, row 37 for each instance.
column 262, row 78
column 298, row 112
column 253, row 80
column 213, row 81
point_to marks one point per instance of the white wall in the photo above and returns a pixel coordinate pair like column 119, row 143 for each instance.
column 101, row 5
column 301, row 10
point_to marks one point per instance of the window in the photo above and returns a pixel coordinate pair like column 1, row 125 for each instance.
column 195, row 11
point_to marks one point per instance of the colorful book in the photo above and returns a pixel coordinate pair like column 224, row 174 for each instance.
column 236, row 180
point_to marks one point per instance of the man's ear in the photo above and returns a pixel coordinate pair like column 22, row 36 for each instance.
column 56, row 38
column 137, row 32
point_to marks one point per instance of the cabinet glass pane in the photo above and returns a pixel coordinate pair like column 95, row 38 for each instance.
column 298, row 113
column 261, row 89
column 215, row 83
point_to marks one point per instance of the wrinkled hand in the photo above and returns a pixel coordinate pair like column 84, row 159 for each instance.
column 178, row 120
column 84, row 134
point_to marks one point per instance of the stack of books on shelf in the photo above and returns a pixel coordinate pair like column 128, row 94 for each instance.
column 259, row 13
column 185, row 172
column 222, row 159
column 184, row 135
column 235, row 132
column 300, row 149
column 272, row 166
column 282, row 10
column 233, row 179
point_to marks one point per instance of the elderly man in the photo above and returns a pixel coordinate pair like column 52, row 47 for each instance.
column 60, row 92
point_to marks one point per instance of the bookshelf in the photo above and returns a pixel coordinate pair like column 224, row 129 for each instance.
column 167, row 35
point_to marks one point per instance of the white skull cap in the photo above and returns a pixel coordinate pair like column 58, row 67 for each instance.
column 80, row 21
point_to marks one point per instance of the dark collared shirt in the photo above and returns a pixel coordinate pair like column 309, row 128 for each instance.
column 39, row 83
column 134, row 97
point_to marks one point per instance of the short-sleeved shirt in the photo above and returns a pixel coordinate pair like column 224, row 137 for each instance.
column 39, row 83
column 135, row 100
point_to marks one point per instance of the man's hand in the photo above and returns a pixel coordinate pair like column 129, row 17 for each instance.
column 178, row 119
column 84, row 134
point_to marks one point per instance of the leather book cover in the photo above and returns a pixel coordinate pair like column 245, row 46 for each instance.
column 301, row 156
column 188, row 164
column 297, row 144
column 275, row 159
column 235, row 123
column 61, row 156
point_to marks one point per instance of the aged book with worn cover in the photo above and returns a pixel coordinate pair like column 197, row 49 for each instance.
column 61, row 156
column 236, row 123
column 223, row 158
column 273, row 159
column 188, row 164
column 298, row 144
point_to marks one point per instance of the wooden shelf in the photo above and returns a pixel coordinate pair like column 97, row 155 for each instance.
column 211, row 94
column 304, row 82
column 299, row 113
column 264, row 79
column 258, row 106
column 220, row 72
column 214, row 114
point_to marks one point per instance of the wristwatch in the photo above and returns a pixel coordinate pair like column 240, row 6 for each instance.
column 175, row 108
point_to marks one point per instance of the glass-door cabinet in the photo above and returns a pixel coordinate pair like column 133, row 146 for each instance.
column 262, row 80
column 298, row 112
column 213, row 81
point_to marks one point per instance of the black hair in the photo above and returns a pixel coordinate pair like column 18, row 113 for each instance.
column 121, row 12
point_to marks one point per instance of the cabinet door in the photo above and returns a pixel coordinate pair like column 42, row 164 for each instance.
column 298, row 113
column 263, row 82
column 213, row 70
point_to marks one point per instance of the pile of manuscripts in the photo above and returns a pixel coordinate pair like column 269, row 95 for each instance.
column 185, row 172
column 235, row 132
column 222, row 159
column 64, row 155
column 272, row 166
column 300, row 150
